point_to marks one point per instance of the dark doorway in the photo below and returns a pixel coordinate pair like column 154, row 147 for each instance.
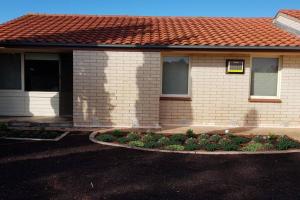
column 66, row 85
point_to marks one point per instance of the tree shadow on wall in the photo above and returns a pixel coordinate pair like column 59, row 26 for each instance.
column 90, row 96
column 150, row 110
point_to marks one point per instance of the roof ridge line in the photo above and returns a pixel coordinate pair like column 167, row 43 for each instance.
column 139, row 16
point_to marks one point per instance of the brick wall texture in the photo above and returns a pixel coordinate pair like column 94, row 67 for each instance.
column 116, row 88
column 222, row 99
column 123, row 88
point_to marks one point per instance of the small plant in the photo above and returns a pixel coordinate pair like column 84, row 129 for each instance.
column 190, row 133
column 105, row 138
column 239, row 140
column 3, row 127
column 253, row 147
column 118, row 133
column 150, row 137
column 191, row 141
column 133, row 136
column 285, row 143
column 157, row 136
column 123, row 140
column 177, row 138
column 258, row 139
column 175, row 147
column 203, row 136
column 151, row 144
column 228, row 145
column 203, row 143
column 191, row 147
column 136, row 143
column 268, row 146
column 215, row 138
column 211, row 147
column 163, row 141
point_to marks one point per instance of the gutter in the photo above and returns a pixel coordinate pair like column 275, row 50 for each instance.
column 178, row 47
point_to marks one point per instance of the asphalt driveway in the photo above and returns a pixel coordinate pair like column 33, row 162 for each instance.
column 75, row 168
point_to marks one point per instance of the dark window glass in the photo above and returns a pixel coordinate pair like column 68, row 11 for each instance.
column 10, row 72
column 41, row 75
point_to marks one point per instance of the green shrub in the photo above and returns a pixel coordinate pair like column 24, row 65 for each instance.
column 151, row 137
column 191, row 147
column 203, row 136
column 163, row 141
column 268, row 146
column 258, row 139
column 190, row 133
column 211, row 147
column 203, row 142
column 239, row 140
column 215, row 138
column 177, row 138
column 133, row 136
column 118, row 133
column 253, row 147
column 105, row 138
column 175, row 147
column 157, row 136
column 123, row 140
column 136, row 143
column 148, row 138
column 3, row 126
column 191, row 141
column 228, row 145
column 151, row 144
column 285, row 143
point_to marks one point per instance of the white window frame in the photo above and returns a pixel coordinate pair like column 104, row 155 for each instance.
column 189, row 77
column 278, row 77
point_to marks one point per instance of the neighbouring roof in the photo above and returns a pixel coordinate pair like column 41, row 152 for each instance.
column 126, row 31
column 292, row 13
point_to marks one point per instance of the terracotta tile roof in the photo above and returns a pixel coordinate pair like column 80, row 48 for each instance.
column 160, row 31
column 292, row 13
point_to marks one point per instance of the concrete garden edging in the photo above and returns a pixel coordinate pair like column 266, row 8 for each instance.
column 93, row 139
column 38, row 139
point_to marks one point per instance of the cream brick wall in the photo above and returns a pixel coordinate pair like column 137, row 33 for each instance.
column 122, row 89
column 116, row 88
column 222, row 99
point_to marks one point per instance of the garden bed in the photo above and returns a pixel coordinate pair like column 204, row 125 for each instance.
column 190, row 141
column 41, row 134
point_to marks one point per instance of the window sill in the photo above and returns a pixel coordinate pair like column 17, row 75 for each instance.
column 257, row 100
column 176, row 98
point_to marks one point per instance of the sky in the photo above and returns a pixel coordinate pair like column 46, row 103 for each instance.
column 235, row 8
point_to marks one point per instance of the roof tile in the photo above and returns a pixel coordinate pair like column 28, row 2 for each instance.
column 130, row 30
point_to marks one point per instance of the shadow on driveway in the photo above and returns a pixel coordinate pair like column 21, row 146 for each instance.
column 75, row 168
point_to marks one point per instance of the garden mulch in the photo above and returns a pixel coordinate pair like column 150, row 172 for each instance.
column 76, row 168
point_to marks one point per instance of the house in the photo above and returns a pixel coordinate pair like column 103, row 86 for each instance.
column 134, row 71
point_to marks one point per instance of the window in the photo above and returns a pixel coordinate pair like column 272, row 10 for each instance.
column 10, row 72
column 175, row 78
column 41, row 72
column 264, row 77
